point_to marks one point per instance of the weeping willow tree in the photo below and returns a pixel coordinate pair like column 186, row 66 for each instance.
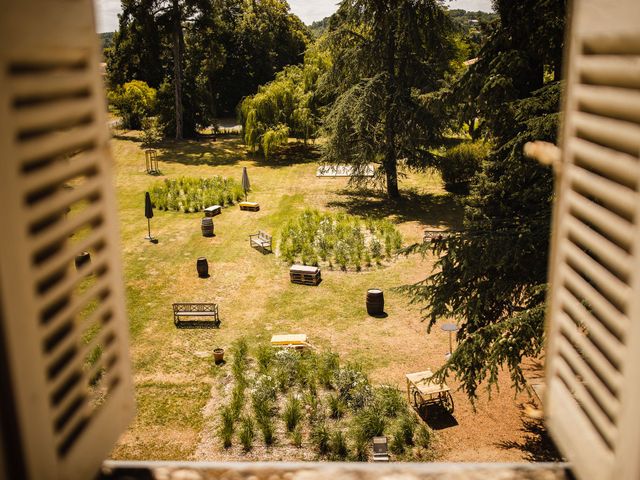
column 286, row 107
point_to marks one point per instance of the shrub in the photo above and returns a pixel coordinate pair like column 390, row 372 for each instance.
column 369, row 423
column 389, row 400
column 264, row 357
column 265, row 424
column 353, row 386
column 247, row 433
column 296, row 437
column 134, row 101
column 286, row 368
column 460, row 165
column 423, row 437
column 314, row 407
column 239, row 351
column 327, row 367
column 397, row 444
column 189, row 194
column 292, row 413
column 337, row 406
column 338, row 445
column 360, row 449
column 237, row 400
column 320, row 438
column 226, row 426
column 407, row 425
column 264, row 391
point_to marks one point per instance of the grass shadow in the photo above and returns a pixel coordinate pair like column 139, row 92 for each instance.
column 296, row 153
column 440, row 210
column 536, row 444
column 197, row 324
column 203, row 151
column 127, row 135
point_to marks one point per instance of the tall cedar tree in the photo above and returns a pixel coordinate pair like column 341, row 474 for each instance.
column 492, row 276
column 390, row 56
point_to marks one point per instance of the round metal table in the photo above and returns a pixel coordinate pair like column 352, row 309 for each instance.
column 449, row 327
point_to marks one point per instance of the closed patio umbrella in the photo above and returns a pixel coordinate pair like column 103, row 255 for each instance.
column 148, row 212
column 245, row 182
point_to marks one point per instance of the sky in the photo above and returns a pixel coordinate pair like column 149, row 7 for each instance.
column 308, row 10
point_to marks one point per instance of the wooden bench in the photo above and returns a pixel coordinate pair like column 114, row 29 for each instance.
column 305, row 275
column 196, row 315
column 262, row 241
column 251, row 206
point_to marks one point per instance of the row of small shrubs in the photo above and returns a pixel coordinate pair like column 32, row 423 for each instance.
column 333, row 406
column 338, row 239
column 189, row 194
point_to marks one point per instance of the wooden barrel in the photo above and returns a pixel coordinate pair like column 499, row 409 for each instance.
column 375, row 302
column 207, row 227
column 203, row 267
column 84, row 257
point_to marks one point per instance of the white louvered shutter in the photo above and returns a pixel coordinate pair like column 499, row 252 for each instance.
column 63, row 330
column 592, row 400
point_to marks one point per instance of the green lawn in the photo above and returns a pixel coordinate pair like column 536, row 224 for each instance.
column 173, row 368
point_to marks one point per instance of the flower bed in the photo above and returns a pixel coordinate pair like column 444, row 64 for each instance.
column 338, row 239
column 189, row 194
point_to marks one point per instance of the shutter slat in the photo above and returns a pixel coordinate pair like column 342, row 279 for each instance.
column 617, row 134
column 92, row 214
column 616, row 227
column 73, row 279
column 61, row 171
column 609, row 253
column 611, row 163
column 68, row 254
column 94, row 292
column 611, row 102
column 611, row 347
column 64, row 373
column 54, row 84
column 611, row 70
column 603, row 391
column 58, row 143
column 591, row 408
column 65, row 198
column 93, row 319
column 614, row 288
column 615, row 321
column 54, row 114
column 599, row 459
column 611, row 193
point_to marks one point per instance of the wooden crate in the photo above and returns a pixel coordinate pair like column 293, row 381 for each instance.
column 304, row 275
column 212, row 211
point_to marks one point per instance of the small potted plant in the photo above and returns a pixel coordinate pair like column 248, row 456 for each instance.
column 218, row 355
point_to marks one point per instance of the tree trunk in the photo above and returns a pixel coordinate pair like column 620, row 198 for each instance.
column 177, row 69
column 390, row 161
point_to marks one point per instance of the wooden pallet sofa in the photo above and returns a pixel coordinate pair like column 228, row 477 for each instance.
column 249, row 206
column 196, row 315
column 305, row 275
column 262, row 241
